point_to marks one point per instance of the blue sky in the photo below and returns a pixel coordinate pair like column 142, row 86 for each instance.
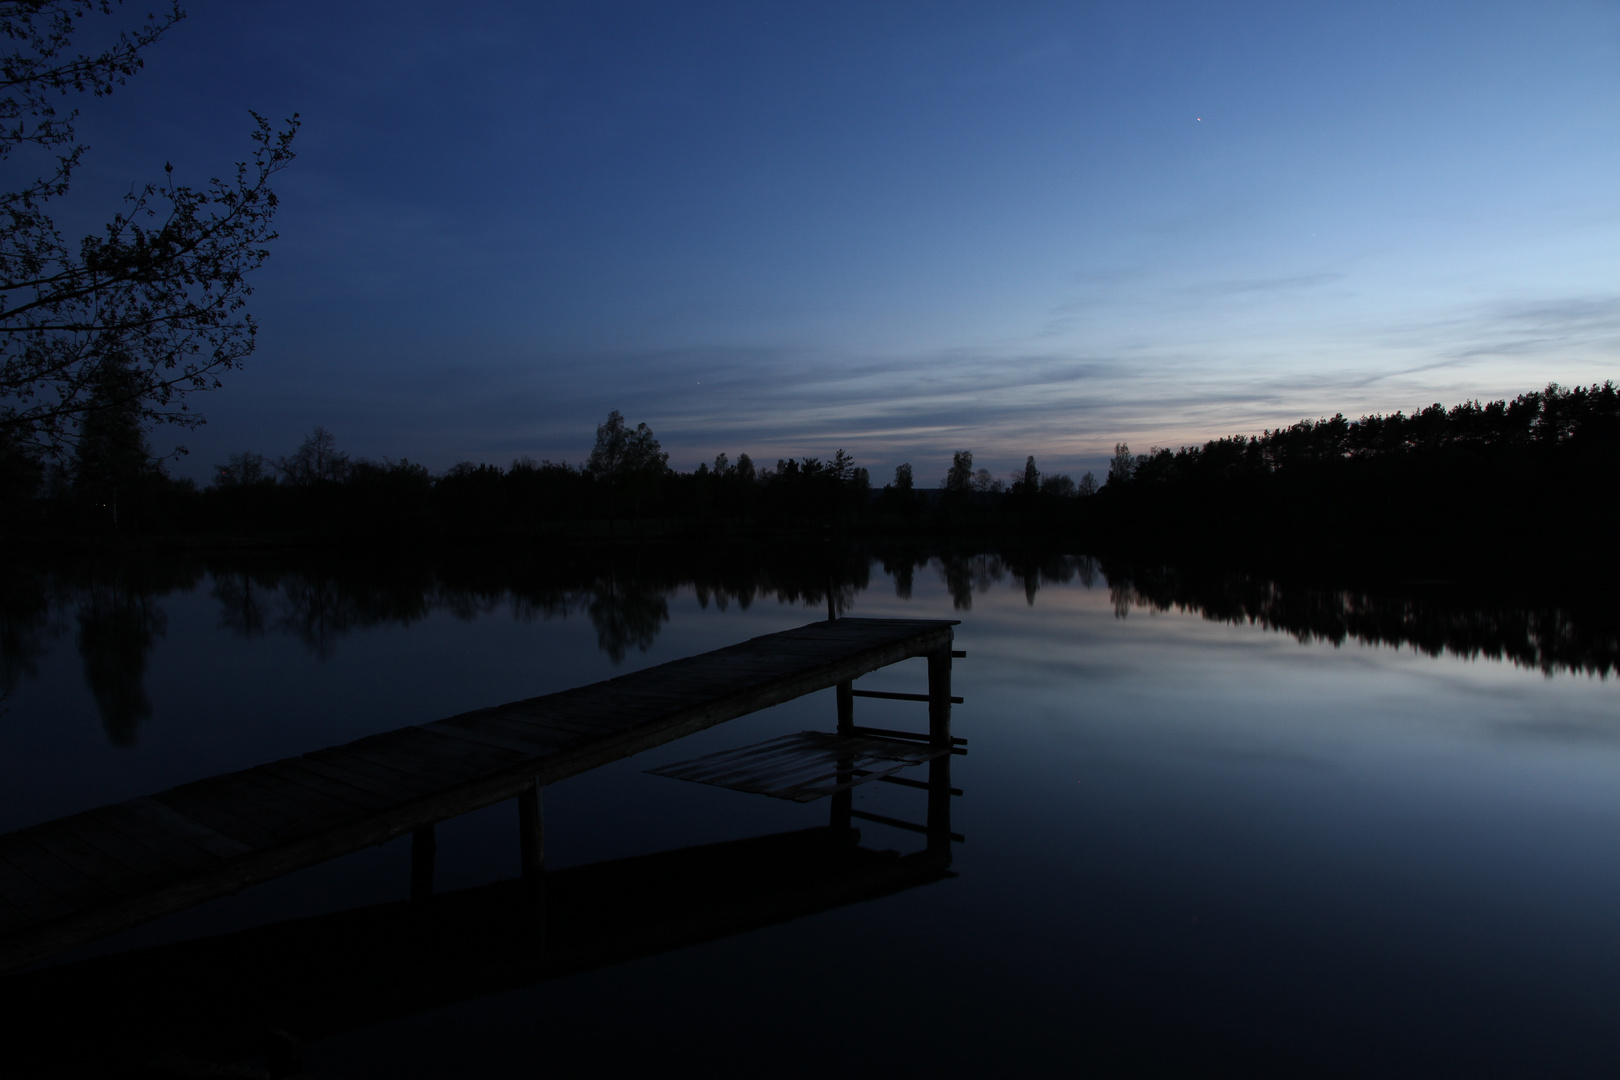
column 895, row 228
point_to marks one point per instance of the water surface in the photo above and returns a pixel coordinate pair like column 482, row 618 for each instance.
column 1211, row 824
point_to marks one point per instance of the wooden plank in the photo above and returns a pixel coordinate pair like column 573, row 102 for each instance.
column 504, row 740
column 297, row 808
column 188, row 801
column 802, row 767
column 543, row 740
column 11, row 918
column 437, row 771
column 28, row 896
column 58, row 840
column 577, row 721
column 485, row 754
column 232, row 794
column 384, row 783
column 133, row 853
column 890, row 734
column 391, row 789
column 62, row 880
column 303, row 787
column 419, row 780
column 166, row 817
column 410, row 746
column 891, row 696
column 171, row 845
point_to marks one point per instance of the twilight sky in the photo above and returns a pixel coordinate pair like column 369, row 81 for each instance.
column 897, row 228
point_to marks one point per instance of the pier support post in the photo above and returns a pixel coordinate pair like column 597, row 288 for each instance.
column 939, row 807
column 939, row 696
column 843, row 802
column 531, row 833
column 939, row 769
column 532, row 849
column 424, row 848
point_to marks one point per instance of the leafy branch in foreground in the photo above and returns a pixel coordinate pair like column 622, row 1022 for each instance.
column 131, row 320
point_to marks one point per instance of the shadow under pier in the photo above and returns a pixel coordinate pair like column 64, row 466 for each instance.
column 228, row 999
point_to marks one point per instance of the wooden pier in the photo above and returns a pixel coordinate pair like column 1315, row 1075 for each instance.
column 79, row 878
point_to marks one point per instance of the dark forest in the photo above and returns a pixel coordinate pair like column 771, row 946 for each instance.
column 1535, row 475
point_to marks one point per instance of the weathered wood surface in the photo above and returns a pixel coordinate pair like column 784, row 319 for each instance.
column 72, row 880
column 804, row 766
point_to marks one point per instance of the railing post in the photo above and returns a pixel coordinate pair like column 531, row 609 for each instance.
column 424, row 846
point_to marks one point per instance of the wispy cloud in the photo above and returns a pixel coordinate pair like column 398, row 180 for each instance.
column 1240, row 286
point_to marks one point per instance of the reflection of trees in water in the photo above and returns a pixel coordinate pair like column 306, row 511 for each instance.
column 321, row 609
column 1033, row 570
column 628, row 604
column 117, row 627
column 320, row 600
column 25, row 611
column 318, row 611
column 1532, row 633
column 626, row 613
column 244, row 603
column 114, row 610
column 965, row 575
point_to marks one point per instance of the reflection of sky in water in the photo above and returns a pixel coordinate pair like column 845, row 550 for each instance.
column 1177, row 830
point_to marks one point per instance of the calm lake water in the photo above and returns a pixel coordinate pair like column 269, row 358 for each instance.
column 1209, row 827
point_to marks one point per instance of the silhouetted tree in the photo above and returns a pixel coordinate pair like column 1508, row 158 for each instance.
column 959, row 480
column 628, row 461
column 317, row 460
column 21, row 472
column 900, row 496
column 111, row 458
column 243, row 470
column 1059, row 485
column 159, row 290
column 1122, row 466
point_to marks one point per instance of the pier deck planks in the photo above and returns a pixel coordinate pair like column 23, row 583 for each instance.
column 78, row 878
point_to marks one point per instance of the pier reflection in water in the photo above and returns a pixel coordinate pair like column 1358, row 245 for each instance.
column 1217, row 822
column 187, row 1008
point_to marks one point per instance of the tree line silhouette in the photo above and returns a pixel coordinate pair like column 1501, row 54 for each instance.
column 1539, row 474
column 113, row 486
